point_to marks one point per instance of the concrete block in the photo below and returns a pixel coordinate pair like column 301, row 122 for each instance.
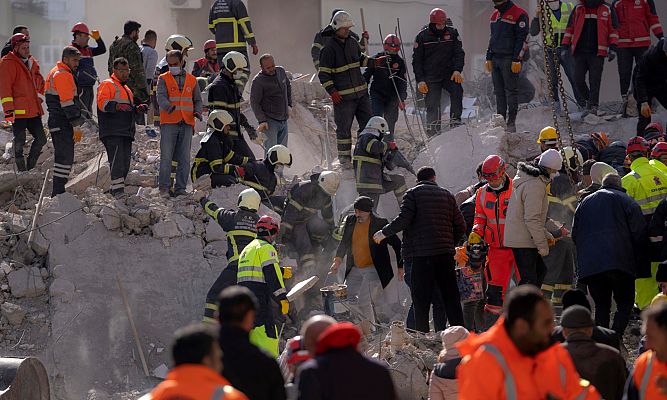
column 165, row 230
column 97, row 173
column 26, row 282
column 13, row 312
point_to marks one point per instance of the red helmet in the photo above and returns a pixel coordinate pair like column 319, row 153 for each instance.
column 655, row 126
column 392, row 43
column 493, row 167
column 438, row 16
column 660, row 149
column 210, row 44
column 268, row 224
column 19, row 38
column 296, row 353
column 637, row 144
column 80, row 27
column 601, row 139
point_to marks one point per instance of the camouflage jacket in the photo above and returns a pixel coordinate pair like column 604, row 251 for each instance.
column 128, row 48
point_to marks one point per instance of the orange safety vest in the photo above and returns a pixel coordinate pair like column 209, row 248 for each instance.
column 194, row 382
column 645, row 375
column 181, row 99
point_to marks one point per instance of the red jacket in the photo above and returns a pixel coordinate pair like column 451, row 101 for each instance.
column 490, row 213
column 607, row 34
column 19, row 86
column 637, row 18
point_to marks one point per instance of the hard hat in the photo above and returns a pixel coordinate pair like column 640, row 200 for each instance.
column 279, row 154
column 392, row 44
column 551, row 159
column 570, row 161
column 601, row 139
column 209, row 44
column 637, row 144
column 438, row 16
column 493, row 167
column 342, row 20
column 19, row 38
column 218, row 119
column 80, row 27
column 378, row 124
column 233, row 61
column 548, row 135
column 653, row 136
column 249, row 199
column 329, row 182
column 660, row 149
column 654, row 126
column 267, row 225
column 177, row 42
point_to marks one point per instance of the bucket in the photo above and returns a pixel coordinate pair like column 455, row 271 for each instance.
column 332, row 296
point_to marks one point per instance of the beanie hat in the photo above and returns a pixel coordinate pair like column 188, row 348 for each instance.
column 551, row 159
column 574, row 297
column 338, row 336
column 450, row 337
column 599, row 170
column 577, row 317
column 363, row 203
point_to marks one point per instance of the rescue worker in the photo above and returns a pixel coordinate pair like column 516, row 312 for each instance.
column 516, row 359
column 592, row 147
column 323, row 36
column 261, row 175
column 650, row 82
column 647, row 186
column 598, row 171
column 229, row 21
column 223, row 94
column 259, row 271
column 636, row 21
column 370, row 154
column 127, row 47
column 591, row 36
column 340, row 75
column 548, row 139
column 207, row 66
column 117, row 113
column 65, row 118
column 654, row 133
column 86, row 75
column 659, row 157
column 240, row 227
column 19, row 88
column 307, row 221
column 558, row 13
column 509, row 31
column 438, row 59
column 491, row 202
column 7, row 47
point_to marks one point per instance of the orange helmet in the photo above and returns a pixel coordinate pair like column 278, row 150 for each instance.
column 210, row 44
column 601, row 140
column 660, row 149
column 80, row 27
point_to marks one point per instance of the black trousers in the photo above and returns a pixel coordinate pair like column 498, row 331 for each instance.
column 659, row 93
column 531, row 266
column 62, row 135
column 428, row 273
column 626, row 59
column 86, row 97
column 602, row 287
column 386, row 107
column 344, row 115
column 433, row 103
column 36, row 129
column 591, row 64
column 506, row 88
column 119, row 154
column 226, row 279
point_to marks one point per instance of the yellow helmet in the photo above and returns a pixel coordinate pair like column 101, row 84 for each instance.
column 548, row 134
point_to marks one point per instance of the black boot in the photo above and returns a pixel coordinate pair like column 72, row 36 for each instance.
column 32, row 161
column 20, row 164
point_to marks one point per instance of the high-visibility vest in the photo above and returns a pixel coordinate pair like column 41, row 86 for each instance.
column 182, row 99
column 257, row 255
column 645, row 375
column 646, row 185
column 559, row 25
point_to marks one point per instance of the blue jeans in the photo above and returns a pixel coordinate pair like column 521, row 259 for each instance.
column 439, row 314
column 175, row 143
column 276, row 134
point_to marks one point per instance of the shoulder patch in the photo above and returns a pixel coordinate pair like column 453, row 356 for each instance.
column 522, row 24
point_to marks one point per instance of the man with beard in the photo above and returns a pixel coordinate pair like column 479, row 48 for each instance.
column 127, row 47
column 207, row 66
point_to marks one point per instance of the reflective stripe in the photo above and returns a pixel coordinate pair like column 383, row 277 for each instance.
column 361, row 88
column 225, row 104
column 655, row 26
column 317, row 46
column 508, row 21
column 604, row 48
column 344, row 141
column 327, row 84
column 655, row 239
column 510, row 385
column 19, row 112
column 211, row 306
column 651, row 199
column 647, row 376
column 591, row 16
column 367, row 159
column 67, row 103
column 563, row 375
column 614, row 35
column 219, row 393
column 279, row 292
column 6, row 99
column 547, row 288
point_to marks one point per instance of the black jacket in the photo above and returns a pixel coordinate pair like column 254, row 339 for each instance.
column 379, row 252
column 600, row 335
column 217, row 157
column 249, row 369
column 436, row 55
column 223, row 94
column 345, row 374
column 588, row 149
column 657, row 230
column 614, row 155
column 383, row 80
column 430, row 220
column 322, row 38
column 340, row 68
column 589, row 190
column 651, row 73
column 305, row 200
column 239, row 225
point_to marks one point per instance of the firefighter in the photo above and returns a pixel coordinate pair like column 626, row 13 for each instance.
column 223, row 94
column 340, row 75
column 86, row 75
column 19, row 88
column 650, row 82
column 65, row 118
column 659, row 157
column 636, row 20
column 653, row 133
column 547, row 139
column 241, row 228
column 438, row 59
column 207, row 66
column 323, row 36
column 591, row 36
column 127, row 47
column 591, row 148
column 491, row 202
column 307, row 221
column 370, row 154
column 215, row 156
column 509, row 30
column 259, row 271
column 229, row 22
column 261, row 175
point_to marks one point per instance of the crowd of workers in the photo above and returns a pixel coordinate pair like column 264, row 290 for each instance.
column 595, row 209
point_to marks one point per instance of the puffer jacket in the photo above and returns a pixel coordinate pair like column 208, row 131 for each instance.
column 19, row 86
column 527, row 211
column 442, row 385
column 430, row 220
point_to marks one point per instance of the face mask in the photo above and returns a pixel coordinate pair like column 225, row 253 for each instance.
column 175, row 70
column 238, row 74
column 278, row 169
column 554, row 5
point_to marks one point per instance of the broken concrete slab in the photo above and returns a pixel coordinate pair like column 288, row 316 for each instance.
column 214, row 232
column 17, row 223
column 13, row 312
column 110, row 218
column 39, row 244
column 97, row 173
column 26, row 282
column 184, row 224
column 136, row 178
column 165, row 230
column 10, row 180
column 63, row 218
column 143, row 216
column 131, row 223
column 62, row 289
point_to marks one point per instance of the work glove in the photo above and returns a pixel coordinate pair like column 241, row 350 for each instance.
column 240, row 172
column 198, row 116
column 263, row 126
column 287, row 272
column 365, row 35
column 255, row 49
column 171, row 109
column 544, row 252
column 284, row 306
column 422, row 87
column 516, row 67
column 336, row 97
column 474, row 238
column 646, row 110
column 123, row 107
column 378, row 237
column 9, row 114
column 401, row 105
column 392, row 145
column 611, row 55
column 488, row 65
column 95, row 34
column 551, row 242
column 461, row 255
column 380, row 60
column 77, row 134
column 457, row 77
column 142, row 108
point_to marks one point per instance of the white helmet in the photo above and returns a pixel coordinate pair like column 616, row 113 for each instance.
column 279, row 154
column 329, row 182
column 177, row 42
column 341, row 20
column 570, row 162
column 250, row 199
column 218, row 119
column 233, row 61
column 379, row 125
